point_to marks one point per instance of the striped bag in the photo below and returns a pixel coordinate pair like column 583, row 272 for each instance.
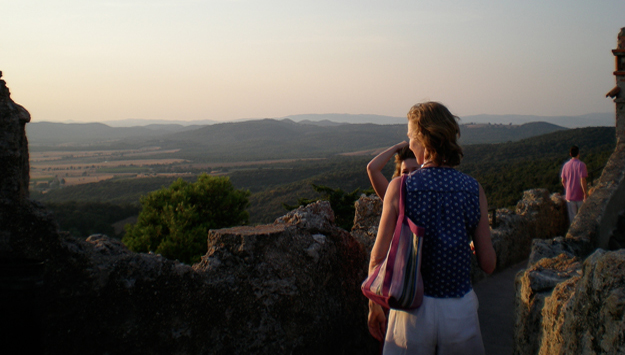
column 396, row 283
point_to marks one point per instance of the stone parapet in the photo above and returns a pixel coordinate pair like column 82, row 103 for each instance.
column 552, row 293
column 289, row 287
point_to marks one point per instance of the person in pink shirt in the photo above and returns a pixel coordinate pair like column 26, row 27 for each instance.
column 574, row 181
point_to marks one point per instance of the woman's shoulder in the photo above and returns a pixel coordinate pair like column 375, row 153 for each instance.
column 464, row 180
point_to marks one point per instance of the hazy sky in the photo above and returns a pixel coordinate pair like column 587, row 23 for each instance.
column 92, row 60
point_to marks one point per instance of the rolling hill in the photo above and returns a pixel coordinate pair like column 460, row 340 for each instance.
column 505, row 170
column 257, row 139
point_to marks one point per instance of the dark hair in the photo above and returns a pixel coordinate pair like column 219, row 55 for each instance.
column 574, row 151
column 402, row 154
column 437, row 129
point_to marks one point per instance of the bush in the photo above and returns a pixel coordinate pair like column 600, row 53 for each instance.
column 174, row 221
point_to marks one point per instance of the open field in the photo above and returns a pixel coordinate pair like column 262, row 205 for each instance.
column 39, row 156
column 235, row 164
column 53, row 169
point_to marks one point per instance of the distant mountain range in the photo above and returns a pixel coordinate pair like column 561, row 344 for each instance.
column 131, row 122
column 52, row 133
column 333, row 119
column 258, row 139
column 589, row 120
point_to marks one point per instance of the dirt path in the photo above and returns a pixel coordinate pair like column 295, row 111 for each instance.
column 496, row 295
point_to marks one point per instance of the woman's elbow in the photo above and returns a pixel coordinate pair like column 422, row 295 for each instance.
column 370, row 167
column 489, row 265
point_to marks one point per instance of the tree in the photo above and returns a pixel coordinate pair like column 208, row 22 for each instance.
column 174, row 221
column 342, row 204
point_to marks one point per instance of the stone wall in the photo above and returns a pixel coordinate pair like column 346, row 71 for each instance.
column 571, row 298
column 291, row 287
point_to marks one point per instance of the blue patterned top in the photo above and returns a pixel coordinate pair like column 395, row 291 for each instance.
column 446, row 203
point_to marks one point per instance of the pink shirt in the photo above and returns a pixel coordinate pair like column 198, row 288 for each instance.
column 572, row 173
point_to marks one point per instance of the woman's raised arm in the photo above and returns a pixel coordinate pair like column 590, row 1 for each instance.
column 375, row 166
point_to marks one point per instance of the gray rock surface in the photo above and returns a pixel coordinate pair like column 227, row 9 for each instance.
column 569, row 309
column 366, row 221
column 13, row 148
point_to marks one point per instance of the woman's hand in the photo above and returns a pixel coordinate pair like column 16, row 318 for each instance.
column 377, row 321
column 399, row 146
column 390, row 210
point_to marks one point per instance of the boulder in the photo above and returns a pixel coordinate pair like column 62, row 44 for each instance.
column 13, row 149
column 534, row 286
column 295, row 285
column 366, row 221
column 570, row 308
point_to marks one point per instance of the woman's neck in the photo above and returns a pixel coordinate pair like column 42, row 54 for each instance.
column 429, row 164
column 434, row 164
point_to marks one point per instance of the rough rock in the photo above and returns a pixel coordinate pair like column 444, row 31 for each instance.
column 547, row 212
column 583, row 314
column 595, row 322
column 549, row 248
column 316, row 216
column 13, row 149
column 258, row 290
column 366, row 221
column 297, row 284
column 534, row 287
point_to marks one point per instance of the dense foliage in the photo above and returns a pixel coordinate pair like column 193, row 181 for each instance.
column 82, row 219
column 117, row 191
column 505, row 170
column 174, row 221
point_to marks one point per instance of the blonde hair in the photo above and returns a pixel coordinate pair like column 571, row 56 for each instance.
column 438, row 131
column 402, row 154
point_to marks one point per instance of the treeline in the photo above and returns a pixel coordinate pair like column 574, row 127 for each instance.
column 505, row 170
column 115, row 191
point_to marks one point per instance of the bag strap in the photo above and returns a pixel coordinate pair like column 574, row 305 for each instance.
column 402, row 195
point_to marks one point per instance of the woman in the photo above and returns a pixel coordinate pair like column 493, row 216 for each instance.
column 405, row 163
column 453, row 209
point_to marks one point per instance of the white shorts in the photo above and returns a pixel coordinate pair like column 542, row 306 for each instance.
column 441, row 326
